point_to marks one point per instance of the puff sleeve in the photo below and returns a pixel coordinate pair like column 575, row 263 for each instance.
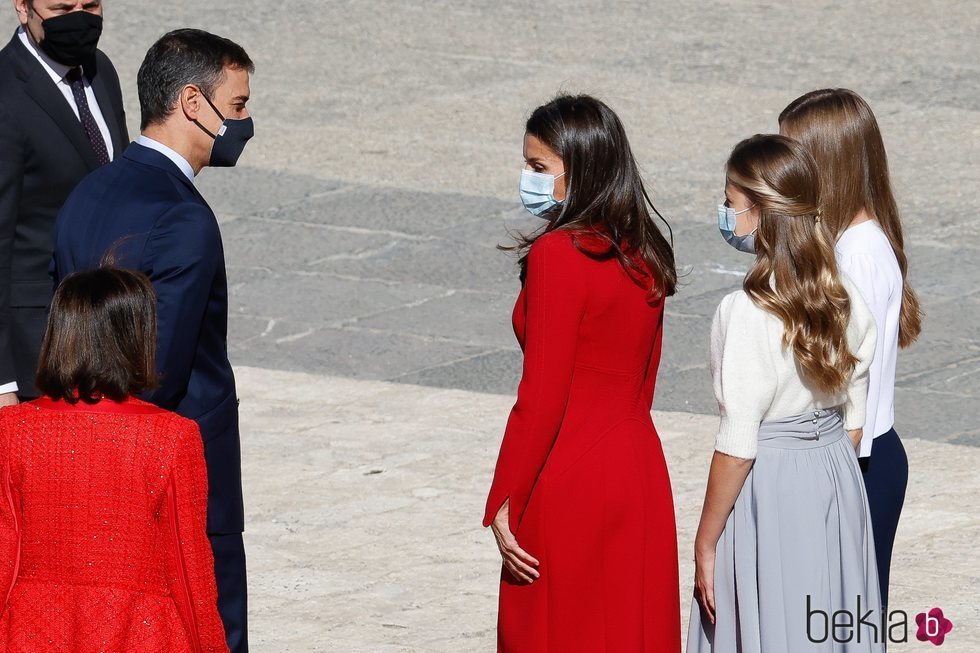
column 742, row 373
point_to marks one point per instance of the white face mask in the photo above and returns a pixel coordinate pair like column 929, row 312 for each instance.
column 538, row 192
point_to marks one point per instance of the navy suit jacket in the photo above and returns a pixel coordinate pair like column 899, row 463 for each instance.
column 148, row 216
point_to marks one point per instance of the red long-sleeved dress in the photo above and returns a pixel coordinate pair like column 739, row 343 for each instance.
column 582, row 465
column 102, row 540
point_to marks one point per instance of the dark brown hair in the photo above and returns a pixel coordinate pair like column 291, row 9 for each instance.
column 840, row 131
column 604, row 189
column 794, row 249
column 101, row 337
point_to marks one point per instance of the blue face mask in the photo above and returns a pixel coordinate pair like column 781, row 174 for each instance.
column 538, row 192
column 726, row 224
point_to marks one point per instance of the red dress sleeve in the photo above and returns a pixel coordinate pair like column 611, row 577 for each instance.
column 187, row 502
column 556, row 290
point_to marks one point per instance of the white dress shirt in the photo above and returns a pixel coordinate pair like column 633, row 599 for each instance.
column 866, row 256
column 59, row 73
column 171, row 154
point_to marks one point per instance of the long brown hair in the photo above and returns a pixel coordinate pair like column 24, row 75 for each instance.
column 101, row 337
column 605, row 194
column 793, row 248
column 840, row 131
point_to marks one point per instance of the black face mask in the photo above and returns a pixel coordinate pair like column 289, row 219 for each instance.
column 229, row 142
column 71, row 38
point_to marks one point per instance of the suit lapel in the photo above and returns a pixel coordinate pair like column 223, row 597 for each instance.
column 47, row 96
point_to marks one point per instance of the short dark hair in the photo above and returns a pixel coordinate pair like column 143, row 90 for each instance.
column 101, row 337
column 179, row 58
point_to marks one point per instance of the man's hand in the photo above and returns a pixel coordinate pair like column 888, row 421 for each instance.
column 8, row 399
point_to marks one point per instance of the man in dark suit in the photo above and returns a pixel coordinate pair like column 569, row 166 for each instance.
column 61, row 117
column 144, row 211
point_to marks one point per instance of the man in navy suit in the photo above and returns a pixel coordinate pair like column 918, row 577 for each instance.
column 143, row 211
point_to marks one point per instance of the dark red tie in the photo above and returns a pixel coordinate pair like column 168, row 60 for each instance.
column 85, row 115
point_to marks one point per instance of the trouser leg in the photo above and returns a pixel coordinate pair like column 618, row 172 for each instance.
column 229, row 573
column 886, row 475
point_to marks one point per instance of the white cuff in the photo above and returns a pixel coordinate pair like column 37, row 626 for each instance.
column 856, row 407
column 738, row 437
column 8, row 387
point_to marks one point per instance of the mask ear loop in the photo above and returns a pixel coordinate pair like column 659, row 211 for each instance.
column 756, row 226
column 213, row 108
column 220, row 115
column 31, row 9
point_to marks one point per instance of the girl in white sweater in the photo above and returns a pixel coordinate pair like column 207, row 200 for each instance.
column 784, row 541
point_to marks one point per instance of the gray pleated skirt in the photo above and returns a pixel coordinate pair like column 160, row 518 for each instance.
column 796, row 549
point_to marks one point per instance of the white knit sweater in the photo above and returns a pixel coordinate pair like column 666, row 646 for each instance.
column 756, row 378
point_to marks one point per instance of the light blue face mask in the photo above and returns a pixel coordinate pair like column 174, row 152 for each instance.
column 726, row 224
column 538, row 192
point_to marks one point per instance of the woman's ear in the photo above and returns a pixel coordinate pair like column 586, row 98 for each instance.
column 561, row 186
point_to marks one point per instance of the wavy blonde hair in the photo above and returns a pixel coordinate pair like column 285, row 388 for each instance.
column 838, row 128
column 795, row 250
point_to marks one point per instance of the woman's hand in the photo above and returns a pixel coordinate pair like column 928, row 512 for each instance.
column 518, row 562
column 704, row 582
column 725, row 480
column 856, row 436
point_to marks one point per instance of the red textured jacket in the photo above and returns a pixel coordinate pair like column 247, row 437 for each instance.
column 102, row 531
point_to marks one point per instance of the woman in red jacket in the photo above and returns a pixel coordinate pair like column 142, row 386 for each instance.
column 102, row 541
column 581, row 504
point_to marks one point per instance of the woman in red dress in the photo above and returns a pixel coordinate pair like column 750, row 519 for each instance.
column 581, row 504
column 102, row 540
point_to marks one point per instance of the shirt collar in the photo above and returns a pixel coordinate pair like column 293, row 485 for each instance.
column 57, row 71
column 178, row 160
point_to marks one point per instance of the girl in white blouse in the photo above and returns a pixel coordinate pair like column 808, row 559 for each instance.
column 838, row 128
column 784, row 537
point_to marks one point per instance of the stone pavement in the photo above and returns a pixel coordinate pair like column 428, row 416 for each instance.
column 364, row 501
